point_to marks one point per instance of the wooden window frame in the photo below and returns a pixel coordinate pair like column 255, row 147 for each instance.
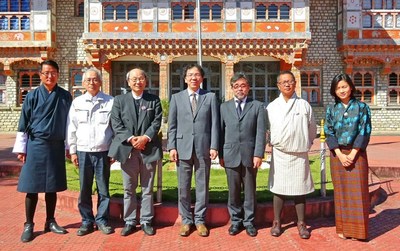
column 308, row 87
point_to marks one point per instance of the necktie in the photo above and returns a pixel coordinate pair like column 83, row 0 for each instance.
column 137, row 106
column 239, row 107
column 194, row 104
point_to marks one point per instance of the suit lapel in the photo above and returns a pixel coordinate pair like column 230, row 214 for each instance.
column 247, row 107
column 130, row 105
column 184, row 98
column 142, row 112
column 232, row 108
column 200, row 100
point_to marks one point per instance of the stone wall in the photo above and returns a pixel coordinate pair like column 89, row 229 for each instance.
column 9, row 119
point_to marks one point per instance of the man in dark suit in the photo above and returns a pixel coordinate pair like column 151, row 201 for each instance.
column 241, row 152
column 193, row 136
column 136, row 120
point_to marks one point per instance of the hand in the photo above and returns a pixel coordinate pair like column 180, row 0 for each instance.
column 344, row 160
column 173, row 155
column 74, row 160
column 67, row 155
column 213, row 154
column 112, row 160
column 21, row 157
column 257, row 161
column 139, row 142
column 221, row 162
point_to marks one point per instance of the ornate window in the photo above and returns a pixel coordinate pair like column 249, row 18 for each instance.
column 27, row 80
column 210, row 11
column 364, row 82
column 3, row 91
column 381, row 14
column 183, row 11
column 311, row 87
column 394, row 89
column 120, row 11
column 76, row 75
column 273, row 11
column 15, row 6
column 79, row 8
column 261, row 11
column 280, row 11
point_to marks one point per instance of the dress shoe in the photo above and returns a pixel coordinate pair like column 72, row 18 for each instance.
column 303, row 232
column 235, row 229
column 51, row 225
column 27, row 234
column 185, row 230
column 105, row 228
column 85, row 229
column 128, row 229
column 251, row 230
column 276, row 229
column 202, row 230
column 147, row 229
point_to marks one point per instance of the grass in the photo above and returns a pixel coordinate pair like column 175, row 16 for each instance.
column 218, row 182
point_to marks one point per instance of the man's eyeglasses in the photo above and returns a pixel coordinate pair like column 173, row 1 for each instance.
column 197, row 75
column 135, row 80
column 92, row 80
column 243, row 86
column 49, row 73
column 287, row 82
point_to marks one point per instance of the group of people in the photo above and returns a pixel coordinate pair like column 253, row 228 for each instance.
column 97, row 129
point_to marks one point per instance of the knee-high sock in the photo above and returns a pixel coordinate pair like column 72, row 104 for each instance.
column 51, row 200
column 300, row 204
column 31, row 200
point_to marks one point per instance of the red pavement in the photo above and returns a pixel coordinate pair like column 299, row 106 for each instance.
column 383, row 153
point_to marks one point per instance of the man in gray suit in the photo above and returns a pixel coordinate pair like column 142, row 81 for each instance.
column 136, row 120
column 241, row 152
column 193, row 136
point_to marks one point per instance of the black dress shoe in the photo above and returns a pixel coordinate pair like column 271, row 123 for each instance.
column 27, row 234
column 52, row 226
column 128, row 229
column 234, row 229
column 147, row 229
column 85, row 229
column 251, row 230
column 105, row 228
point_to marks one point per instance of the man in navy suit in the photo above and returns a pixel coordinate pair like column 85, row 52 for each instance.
column 193, row 136
column 241, row 152
column 136, row 120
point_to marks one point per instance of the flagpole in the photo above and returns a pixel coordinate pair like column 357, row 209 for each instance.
column 199, row 46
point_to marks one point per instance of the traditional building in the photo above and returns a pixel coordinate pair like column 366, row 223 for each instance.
column 313, row 38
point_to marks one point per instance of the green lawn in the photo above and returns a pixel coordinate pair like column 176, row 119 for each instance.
column 218, row 183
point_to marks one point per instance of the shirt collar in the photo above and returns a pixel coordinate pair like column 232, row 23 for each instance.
column 136, row 97
column 98, row 97
column 243, row 100
column 191, row 92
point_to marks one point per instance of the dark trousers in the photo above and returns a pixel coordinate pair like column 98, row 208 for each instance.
column 239, row 177
column 94, row 164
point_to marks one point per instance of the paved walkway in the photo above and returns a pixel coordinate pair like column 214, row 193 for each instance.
column 384, row 221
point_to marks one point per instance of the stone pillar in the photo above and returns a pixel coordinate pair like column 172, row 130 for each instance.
column 105, row 72
column 228, row 75
column 164, row 93
column 297, row 75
